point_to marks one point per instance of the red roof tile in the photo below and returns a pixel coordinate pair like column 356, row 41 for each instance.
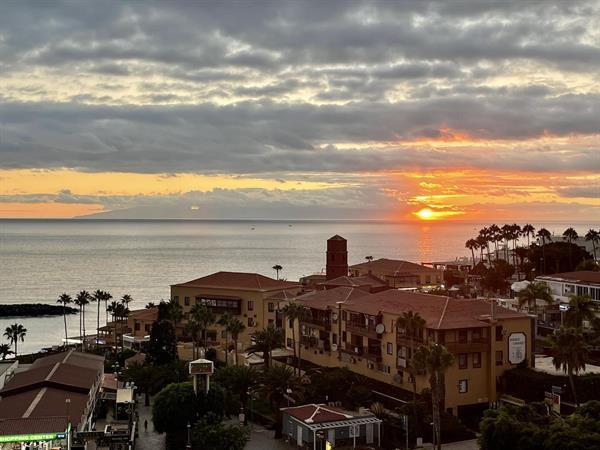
column 318, row 413
column 33, row 425
column 368, row 280
column 393, row 266
column 331, row 297
column 150, row 314
column 583, row 276
column 239, row 280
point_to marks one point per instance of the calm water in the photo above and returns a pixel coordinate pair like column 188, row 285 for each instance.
column 41, row 259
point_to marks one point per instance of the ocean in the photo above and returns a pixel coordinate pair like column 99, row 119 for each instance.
column 41, row 259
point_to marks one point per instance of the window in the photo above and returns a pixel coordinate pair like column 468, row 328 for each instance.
column 250, row 322
column 462, row 361
column 462, row 336
column 271, row 307
column 499, row 333
column 289, row 342
column 147, row 328
column 499, row 358
column 250, row 305
column 334, row 338
column 344, row 316
column 186, row 301
column 463, row 386
column 476, row 335
column 390, row 348
column 176, row 298
column 344, row 336
column 476, row 360
column 271, row 322
column 428, row 279
column 137, row 326
column 291, row 323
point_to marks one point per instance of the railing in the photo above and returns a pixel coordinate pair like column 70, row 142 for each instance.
column 374, row 354
column 474, row 345
column 361, row 329
column 354, row 350
column 319, row 322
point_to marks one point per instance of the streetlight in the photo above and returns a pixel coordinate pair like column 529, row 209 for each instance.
column 189, row 437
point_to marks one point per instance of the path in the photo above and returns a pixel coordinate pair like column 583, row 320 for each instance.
column 148, row 440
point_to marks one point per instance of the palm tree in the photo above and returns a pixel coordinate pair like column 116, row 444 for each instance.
column 205, row 318
column 533, row 292
column 64, row 300
column 82, row 299
column 528, row 229
column 15, row 332
column 481, row 243
column 277, row 384
column 5, row 351
column 224, row 321
column 495, row 235
column 239, row 380
column 435, row 360
column 113, row 309
column 570, row 353
column 234, row 328
column 265, row 341
column 295, row 312
column 544, row 235
column 126, row 300
column 485, row 236
column 97, row 297
column 506, row 233
column 107, row 297
column 192, row 329
column 570, row 235
column 412, row 323
column 472, row 245
column 277, row 268
column 369, row 258
column 594, row 237
column 581, row 307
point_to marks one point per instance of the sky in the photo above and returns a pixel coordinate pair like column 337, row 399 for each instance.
column 405, row 110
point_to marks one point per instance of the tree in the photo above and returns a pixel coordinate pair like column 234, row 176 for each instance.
column 295, row 313
column 239, row 381
column 142, row 376
column 113, row 309
column 528, row 230
column 97, row 297
column 205, row 318
column 173, row 408
column 533, row 292
column 588, row 264
column 106, row 298
column 15, row 332
column 569, row 353
column 277, row 383
column 435, row 360
column 413, row 324
column 192, row 329
column 558, row 256
column 224, row 321
column 126, row 300
column 82, row 299
column 211, row 433
column 369, row 258
column 570, row 235
column 234, row 328
column 277, row 268
column 593, row 236
column 581, row 307
column 162, row 347
column 265, row 341
column 472, row 245
column 64, row 300
column 544, row 235
column 494, row 279
column 5, row 351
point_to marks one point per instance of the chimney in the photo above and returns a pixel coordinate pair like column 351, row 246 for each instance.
column 337, row 258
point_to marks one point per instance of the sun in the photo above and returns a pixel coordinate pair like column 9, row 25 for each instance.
column 425, row 214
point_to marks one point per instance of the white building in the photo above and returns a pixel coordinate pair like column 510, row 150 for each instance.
column 564, row 285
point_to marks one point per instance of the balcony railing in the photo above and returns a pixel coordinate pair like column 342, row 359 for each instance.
column 319, row 322
column 356, row 328
column 374, row 354
column 474, row 345
column 354, row 350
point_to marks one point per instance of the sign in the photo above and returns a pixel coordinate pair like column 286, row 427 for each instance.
column 517, row 348
column 354, row 431
column 32, row 437
column 201, row 367
column 554, row 399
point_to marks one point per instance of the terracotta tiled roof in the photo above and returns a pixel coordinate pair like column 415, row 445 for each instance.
column 150, row 314
column 33, row 425
column 337, row 237
column 239, row 280
column 331, row 297
column 393, row 266
column 282, row 296
column 439, row 312
column 73, row 358
column 368, row 280
column 318, row 413
column 583, row 276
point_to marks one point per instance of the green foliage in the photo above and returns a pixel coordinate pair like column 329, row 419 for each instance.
column 530, row 427
column 34, row 310
column 210, row 433
column 588, row 264
column 495, row 277
column 265, row 341
column 556, row 256
column 162, row 348
column 238, row 381
column 173, row 407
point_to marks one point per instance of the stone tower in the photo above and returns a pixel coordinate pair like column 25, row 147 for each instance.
column 337, row 257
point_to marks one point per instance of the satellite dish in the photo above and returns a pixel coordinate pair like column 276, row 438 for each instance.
column 380, row 328
column 334, row 347
column 334, row 316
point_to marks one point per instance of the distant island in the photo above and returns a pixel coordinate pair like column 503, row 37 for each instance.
column 34, row 310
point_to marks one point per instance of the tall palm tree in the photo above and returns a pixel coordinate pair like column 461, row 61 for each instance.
column 533, row 292
column 234, row 328
column 277, row 268
column 239, row 380
column 485, row 236
column 570, row 353
column 5, row 351
column 113, row 309
column 296, row 313
column 276, row 381
column 495, row 236
column 64, row 300
column 412, row 323
column 192, row 329
column 265, row 341
column 106, row 298
column 570, row 235
column 581, row 307
column 97, row 297
column 15, row 332
column 224, row 321
column 369, row 258
column 594, row 237
column 82, row 299
column 481, row 243
column 544, row 235
column 126, row 299
column 435, row 360
column 472, row 245
column 528, row 230
column 506, row 233
column 205, row 318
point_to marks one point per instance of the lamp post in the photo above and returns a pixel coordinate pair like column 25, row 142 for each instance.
column 116, row 366
column 189, row 437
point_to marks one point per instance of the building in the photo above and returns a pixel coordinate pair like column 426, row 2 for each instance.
column 40, row 406
column 252, row 298
column 7, row 370
column 361, row 331
column 564, row 285
column 337, row 258
column 368, row 282
column 400, row 274
column 311, row 425
column 139, row 322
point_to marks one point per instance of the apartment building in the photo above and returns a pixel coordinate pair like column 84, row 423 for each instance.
column 139, row 324
column 252, row 298
column 349, row 327
column 400, row 274
column 564, row 285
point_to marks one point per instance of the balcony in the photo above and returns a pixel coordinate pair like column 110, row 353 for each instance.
column 374, row 354
column 356, row 328
column 405, row 340
column 353, row 350
column 319, row 322
column 474, row 345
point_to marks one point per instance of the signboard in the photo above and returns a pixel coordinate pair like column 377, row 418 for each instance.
column 201, row 367
column 354, row 431
column 517, row 348
column 554, row 399
column 32, row 437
